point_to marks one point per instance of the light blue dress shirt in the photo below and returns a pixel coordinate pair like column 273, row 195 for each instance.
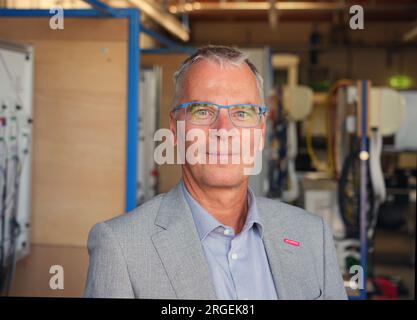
column 238, row 263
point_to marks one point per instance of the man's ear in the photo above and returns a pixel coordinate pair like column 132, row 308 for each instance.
column 173, row 126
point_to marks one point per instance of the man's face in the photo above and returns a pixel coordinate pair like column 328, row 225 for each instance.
column 207, row 81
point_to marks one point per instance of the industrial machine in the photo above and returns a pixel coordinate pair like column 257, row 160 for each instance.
column 291, row 103
column 16, row 94
column 358, row 117
column 149, row 93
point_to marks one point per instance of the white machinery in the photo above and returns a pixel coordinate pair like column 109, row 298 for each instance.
column 298, row 103
column 149, row 89
column 357, row 118
column 385, row 115
column 260, row 57
column 16, row 95
column 405, row 137
column 294, row 103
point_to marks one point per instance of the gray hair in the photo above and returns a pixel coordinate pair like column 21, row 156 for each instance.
column 223, row 55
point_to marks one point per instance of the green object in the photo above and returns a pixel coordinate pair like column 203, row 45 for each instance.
column 400, row 82
column 351, row 261
column 320, row 86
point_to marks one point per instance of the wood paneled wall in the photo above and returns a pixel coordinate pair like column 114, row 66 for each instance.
column 79, row 150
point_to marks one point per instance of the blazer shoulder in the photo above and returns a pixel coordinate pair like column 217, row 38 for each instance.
column 277, row 209
column 142, row 216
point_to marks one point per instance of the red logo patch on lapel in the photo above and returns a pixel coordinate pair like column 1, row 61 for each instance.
column 292, row 242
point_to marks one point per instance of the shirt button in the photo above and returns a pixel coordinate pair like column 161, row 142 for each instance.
column 234, row 256
column 226, row 232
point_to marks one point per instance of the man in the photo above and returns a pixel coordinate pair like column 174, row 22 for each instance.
column 209, row 237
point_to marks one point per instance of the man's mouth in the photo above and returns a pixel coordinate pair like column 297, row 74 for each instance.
column 222, row 154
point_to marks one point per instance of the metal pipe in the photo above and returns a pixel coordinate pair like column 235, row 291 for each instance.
column 364, row 89
column 410, row 34
column 223, row 7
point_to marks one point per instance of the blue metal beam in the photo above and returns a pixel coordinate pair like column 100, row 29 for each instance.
column 160, row 38
column 46, row 13
column 101, row 7
column 133, row 110
column 364, row 184
column 75, row 13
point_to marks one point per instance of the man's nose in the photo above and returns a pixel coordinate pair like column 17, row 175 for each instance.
column 223, row 128
column 223, row 121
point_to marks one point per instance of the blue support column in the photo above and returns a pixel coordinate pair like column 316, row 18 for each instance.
column 364, row 199
column 132, row 109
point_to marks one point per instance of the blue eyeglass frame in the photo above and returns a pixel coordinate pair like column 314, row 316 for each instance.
column 262, row 109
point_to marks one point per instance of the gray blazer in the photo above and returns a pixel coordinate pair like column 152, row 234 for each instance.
column 154, row 252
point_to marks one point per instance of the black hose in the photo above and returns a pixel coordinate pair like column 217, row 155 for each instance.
column 348, row 195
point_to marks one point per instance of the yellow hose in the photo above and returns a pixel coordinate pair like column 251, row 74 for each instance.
column 328, row 167
column 319, row 165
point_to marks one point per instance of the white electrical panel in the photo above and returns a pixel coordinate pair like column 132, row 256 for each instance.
column 149, row 93
column 16, row 98
column 405, row 138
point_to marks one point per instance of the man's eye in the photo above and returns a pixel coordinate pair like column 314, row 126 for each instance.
column 242, row 114
column 203, row 112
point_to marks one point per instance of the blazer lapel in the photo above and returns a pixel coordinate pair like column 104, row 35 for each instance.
column 283, row 258
column 180, row 250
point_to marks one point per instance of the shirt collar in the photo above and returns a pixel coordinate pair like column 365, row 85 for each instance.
column 206, row 223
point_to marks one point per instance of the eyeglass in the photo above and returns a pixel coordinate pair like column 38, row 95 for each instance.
column 206, row 113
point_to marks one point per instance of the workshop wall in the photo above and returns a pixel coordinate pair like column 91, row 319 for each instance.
column 79, row 151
